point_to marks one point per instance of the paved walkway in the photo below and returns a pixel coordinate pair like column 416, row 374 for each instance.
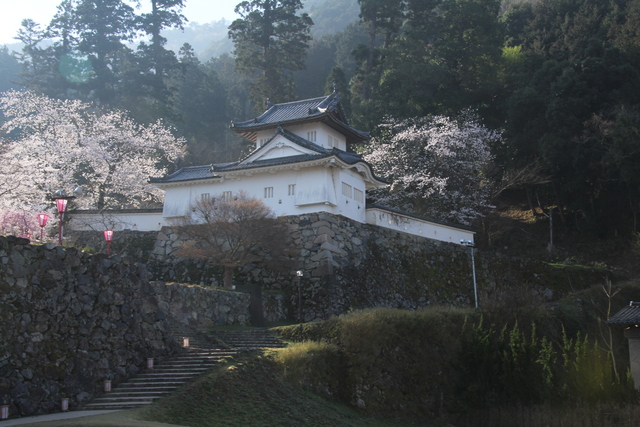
column 51, row 417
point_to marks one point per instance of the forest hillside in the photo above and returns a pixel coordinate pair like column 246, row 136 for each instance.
column 545, row 93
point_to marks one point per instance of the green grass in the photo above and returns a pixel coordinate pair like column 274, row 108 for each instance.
column 250, row 390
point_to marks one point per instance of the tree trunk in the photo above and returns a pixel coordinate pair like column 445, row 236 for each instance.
column 228, row 277
column 369, row 66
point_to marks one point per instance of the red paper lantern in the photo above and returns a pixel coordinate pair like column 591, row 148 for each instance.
column 61, row 204
column 42, row 219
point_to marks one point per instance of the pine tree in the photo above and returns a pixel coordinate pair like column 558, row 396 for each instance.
column 270, row 42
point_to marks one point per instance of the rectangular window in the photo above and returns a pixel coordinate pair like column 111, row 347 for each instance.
column 292, row 190
column 226, row 196
column 268, row 192
column 358, row 195
column 330, row 141
column 311, row 136
column 261, row 142
column 205, row 197
column 347, row 190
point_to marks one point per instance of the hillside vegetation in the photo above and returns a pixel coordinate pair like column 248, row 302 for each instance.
column 529, row 365
column 539, row 365
column 452, row 364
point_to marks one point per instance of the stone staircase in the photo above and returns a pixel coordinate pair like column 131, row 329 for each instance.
column 165, row 377
column 248, row 339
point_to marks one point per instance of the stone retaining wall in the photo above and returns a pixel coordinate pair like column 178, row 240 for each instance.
column 69, row 320
column 202, row 307
column 348, row 265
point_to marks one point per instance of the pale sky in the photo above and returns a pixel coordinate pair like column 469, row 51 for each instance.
column 41, row 11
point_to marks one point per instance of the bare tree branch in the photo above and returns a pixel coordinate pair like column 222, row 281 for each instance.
column 232, row 233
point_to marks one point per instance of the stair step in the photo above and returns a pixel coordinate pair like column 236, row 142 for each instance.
column 114, row 405
column 167, row 375
column 129, row 397
column 143, row 389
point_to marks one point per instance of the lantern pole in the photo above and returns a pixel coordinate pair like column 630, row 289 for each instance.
column 108, row 237
column 42, row 222
column 61, row 198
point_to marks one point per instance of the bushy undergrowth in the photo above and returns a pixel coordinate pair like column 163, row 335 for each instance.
column 436, row 362
column 510, row 367
column 393, row 362
column 318, row 365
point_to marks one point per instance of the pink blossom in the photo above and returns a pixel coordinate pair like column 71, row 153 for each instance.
column 436, row 165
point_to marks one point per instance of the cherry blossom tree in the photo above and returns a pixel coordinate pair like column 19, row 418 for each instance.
column 51, row 144
column 436, row 166
column 19, row 223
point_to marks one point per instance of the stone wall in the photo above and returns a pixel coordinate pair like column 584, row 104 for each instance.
column 348, row 265
column 202, row 307
column 69, row 320
column 144, row 247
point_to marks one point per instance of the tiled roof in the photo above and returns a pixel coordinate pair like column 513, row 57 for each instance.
column 315, row 109
column 186, row 174
column 629, row 315
column 115, row 211
column 213, row 171
column 193, row 173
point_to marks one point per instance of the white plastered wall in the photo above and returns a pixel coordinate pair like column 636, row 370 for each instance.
column 322, row 134
column 418, row 227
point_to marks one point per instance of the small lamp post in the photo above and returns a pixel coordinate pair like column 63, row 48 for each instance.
column 62, row 199
column 470, row 245
column 61, row 204
column 108, row 236
column 299, row 274
column 42, row 222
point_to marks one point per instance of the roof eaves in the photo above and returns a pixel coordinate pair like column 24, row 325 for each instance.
column 289, row 135
column 279, row 161
column 295, row 109
column 629, row 315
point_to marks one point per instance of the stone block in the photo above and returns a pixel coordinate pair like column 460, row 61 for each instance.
column 325, row 230
column 326, row 246
column 322, row 238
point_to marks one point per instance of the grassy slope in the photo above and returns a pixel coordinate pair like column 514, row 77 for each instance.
column 247, row 391
column 250, row 391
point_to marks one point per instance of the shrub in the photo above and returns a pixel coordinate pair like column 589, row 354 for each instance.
column 318, row 365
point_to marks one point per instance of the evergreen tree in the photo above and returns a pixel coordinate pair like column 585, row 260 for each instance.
column 102, row 28
column 35, row 60
column 270, row 42
column 199, row 106
column 9, row 69
column 380, row 17
column 157, row 60
column 336, row 81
